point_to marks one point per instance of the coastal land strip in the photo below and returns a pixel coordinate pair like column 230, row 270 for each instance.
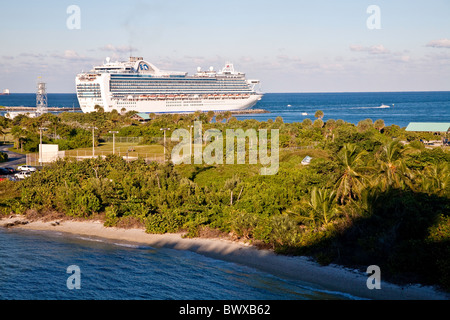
column 68, row 109
column 330, row 278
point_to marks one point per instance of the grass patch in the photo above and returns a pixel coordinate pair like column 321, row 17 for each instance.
column 133, row 150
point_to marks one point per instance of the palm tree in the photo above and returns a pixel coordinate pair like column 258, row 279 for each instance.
column 435, row 178
column 379, row 124
column 219, row 118
column 330, row 125
column 321, row 206
column 54, row 121
column 365, row 125
column 307, row 122
column 318, row 123
column 114, row 116
column 209, row 116
column 197, row 115
column 352, row 179
column 18, row 133
column 99, row 108
column 227, row 115
column 3, row 133
column 176, row 117
column 319, row 114
column 392, row 170
column 3, row 127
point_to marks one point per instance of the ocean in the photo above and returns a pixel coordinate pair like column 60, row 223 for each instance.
column 34, row 266
column 399, row 108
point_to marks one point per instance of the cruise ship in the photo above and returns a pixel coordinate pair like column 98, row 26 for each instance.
column 137, row 85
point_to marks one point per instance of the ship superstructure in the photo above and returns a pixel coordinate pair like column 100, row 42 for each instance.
column 137, row 85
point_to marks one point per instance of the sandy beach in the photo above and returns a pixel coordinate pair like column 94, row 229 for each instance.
column 330, row 278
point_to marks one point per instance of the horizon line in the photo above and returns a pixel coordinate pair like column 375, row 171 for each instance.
column 308, row 92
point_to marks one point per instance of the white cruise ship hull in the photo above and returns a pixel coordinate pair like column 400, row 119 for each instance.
column 172, row 106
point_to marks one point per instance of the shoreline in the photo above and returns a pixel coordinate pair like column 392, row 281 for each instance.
column 330, row 278
column 62, row 109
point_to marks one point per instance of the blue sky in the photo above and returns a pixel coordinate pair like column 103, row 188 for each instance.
column 291, row 46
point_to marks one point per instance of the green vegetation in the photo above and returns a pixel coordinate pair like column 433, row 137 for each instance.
column 366, row 198
column 3, row 157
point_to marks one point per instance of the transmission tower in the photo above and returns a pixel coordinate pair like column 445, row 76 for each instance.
column 41, row 99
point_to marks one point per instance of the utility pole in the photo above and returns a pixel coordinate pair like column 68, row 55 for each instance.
column 40, row 145
column 190, row 141
column 114, row 140
column 93, row 140
column 164, row 129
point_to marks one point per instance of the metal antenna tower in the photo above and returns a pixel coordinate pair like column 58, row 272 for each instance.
column 41, row 98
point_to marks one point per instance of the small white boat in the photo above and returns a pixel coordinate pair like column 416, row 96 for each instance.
column 304, row 114
column 383, row 106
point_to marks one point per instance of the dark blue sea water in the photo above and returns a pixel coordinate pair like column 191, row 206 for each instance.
column 404, row 107
column 33, row 266
column 62, row 100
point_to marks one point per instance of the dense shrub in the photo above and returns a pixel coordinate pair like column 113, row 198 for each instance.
column 166, row 222
column 3, row 157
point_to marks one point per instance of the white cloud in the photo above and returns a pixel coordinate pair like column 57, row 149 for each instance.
column 70, row 55
column 287, row 59
column 405, row 58
column 377, row 49
column 442, row 43
column 332, row 67
column 384, row 55
column 32, row 55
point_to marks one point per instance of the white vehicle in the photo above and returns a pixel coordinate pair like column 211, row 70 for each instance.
column 26, row 168
column 23, row 175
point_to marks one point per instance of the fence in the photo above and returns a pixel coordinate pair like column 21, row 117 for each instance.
column 128, row 156
column 33, row 158
column 122, row 139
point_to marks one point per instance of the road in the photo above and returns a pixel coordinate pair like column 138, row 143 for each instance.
column 14, row 159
